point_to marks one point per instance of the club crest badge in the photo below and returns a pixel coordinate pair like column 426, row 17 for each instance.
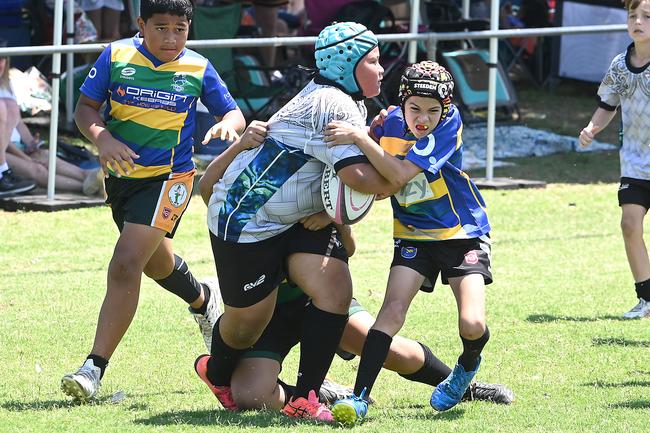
column 177, row 194
column 471, row 258
column 179, row 82
column 409, row 252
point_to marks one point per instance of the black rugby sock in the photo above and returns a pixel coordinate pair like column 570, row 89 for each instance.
column 373, row 356
column 432, row 372
column 321, row 334
column 100, row 362
column 643, row 290
column 182, row 283
column 223, row 359
column 472, row 350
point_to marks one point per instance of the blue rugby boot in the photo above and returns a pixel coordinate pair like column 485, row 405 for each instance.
column 351, row 410
column 450, row 391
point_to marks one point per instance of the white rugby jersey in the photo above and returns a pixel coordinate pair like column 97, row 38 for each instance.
column 629, row 87
column 266, row 190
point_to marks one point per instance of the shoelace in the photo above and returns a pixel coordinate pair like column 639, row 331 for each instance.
column 484, row 392
column 308, row 408
column 87, row 373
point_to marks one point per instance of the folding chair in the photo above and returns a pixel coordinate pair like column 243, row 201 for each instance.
column 517, row 58
column 256, row 100
column 445, row 16
column 470, row 71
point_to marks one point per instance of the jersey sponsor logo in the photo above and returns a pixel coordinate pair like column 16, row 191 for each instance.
column 127, row 73
column 409, row 252
column 471, row 258
column 150, row 98
column 415, row 191
column 431, row 144
column 249, row 286
column 177, row 194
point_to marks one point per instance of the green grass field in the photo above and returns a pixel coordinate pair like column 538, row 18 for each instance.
column 561, row 285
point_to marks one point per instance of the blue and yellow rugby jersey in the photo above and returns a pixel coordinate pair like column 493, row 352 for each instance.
column 441, row 202
column 151, row 105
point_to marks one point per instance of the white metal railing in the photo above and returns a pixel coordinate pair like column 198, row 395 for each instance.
column 412, row 38
column 310, row 40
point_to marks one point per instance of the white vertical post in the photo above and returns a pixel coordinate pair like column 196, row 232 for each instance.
column 466, row 9
column 492, row 92
column 54, row 117
column 413, row 28
column 69, row 65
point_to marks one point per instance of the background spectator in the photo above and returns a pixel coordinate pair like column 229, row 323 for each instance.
column 105, row 15
column 30, row 162
column 9, row 117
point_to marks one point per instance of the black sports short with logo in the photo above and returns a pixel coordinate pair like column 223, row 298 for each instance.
column 634, row 191
column 452, row 258
column 157, row 201
column 249, row 272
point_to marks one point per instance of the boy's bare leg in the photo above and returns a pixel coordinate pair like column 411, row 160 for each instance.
column 635, row 248
column 404, row 357
column 110, row 24
column 637, row 257
column 255, row 384
column 266, row 19
column 135, row 246
column 96, row 18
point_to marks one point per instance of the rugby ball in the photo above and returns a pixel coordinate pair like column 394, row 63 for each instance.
column 343, row 204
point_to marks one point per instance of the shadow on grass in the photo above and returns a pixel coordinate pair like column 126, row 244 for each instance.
column 425, row 412
column 634, row 404
column 37, row 405
column 547, row 318
column 220, row 417
column 617, row 341
column 629, row 383
column 274, row 419
column 107, row 400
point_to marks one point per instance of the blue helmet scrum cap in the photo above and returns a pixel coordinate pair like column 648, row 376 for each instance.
column 339, row 49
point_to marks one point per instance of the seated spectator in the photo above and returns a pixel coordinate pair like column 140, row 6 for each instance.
column 266, row 18
column 105, row 15
column 530, row 14
column 9, row 115
column 31, row 162
column 321, row 13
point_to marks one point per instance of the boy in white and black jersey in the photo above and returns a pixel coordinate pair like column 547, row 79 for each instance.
column 627, row 84
column 255, row 209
